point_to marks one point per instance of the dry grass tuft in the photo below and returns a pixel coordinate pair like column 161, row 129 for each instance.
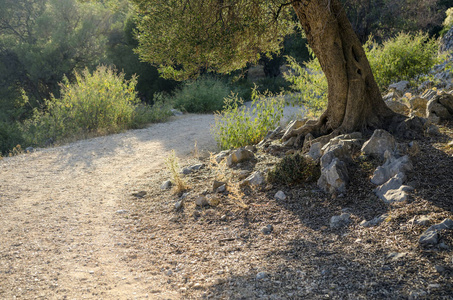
column 173, row 166
column 221, row 173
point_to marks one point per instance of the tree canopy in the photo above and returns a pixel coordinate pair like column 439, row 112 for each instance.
column 184, row 38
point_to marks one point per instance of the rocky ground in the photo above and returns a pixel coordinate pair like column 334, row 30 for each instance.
column 250, row 245
column 90, row 220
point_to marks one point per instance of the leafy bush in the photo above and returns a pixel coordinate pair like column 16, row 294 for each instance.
column 310, row 83
column 404, row 57
column 294, row 169
column 10, row 137
column 237, row 126
column 401, row 58
column 201, row 96
column 99, row 103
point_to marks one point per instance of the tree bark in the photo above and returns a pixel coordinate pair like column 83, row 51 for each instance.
column 354, row 100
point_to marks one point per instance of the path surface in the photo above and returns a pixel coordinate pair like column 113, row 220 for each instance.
column 59, row 236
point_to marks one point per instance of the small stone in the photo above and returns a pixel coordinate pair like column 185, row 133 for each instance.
column 397, row 195
column 374, row 222
column 334, row 177
column 261, row 276
column 239, row 155
column 439, row 269
column 255, row 179
column 422, row 221
column 399, row 87
column 191, row 169
column 315, row 152
column 433, row 286
column 444, row 246
column 430, row 237
column 221, row 155
column 197, row 286
column 121, row 211
column 140, row 194
column 179, row 204
column 340, row 221
column 267, row 229
column 166, row 185
column 221, row 189
column 201, row 201
column 243, row 174
column 432, row 130
column 29, row 149
column 280, row 195
column 216, row 184
column 390, row 168
column 394, row 256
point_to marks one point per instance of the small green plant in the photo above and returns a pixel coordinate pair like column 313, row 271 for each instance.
column 173, row 166
column 237, row 126
column 293, row 169
column 403, row 57
column 203, row 95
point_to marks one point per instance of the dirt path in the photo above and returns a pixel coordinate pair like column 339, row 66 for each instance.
column 60, row 231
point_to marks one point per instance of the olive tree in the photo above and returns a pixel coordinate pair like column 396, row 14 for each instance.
column 186, row 37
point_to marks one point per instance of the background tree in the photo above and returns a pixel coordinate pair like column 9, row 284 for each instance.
column 41, row 40
column 384, row 18
column 183, row 37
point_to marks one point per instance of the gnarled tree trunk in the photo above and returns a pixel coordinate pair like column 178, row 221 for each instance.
column 354, row 100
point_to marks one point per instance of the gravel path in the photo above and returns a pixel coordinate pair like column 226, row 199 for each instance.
column 59, row 207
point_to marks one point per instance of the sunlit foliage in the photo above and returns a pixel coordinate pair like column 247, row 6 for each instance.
column 187, row 37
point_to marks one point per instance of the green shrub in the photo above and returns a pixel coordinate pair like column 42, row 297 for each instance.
column 145, row 114
column 96, row 103
column 237, row 126
column 203, row 95
column 401, row 58
column 10, row 137
column 310, row 85
column 404, row 57
column 293, row 169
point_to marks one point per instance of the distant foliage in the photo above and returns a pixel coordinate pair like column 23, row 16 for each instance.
column 236, row 126
column 43, row 40
column 203, row 95
column 10, row 137
column 97, row 103
column 401, row 58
